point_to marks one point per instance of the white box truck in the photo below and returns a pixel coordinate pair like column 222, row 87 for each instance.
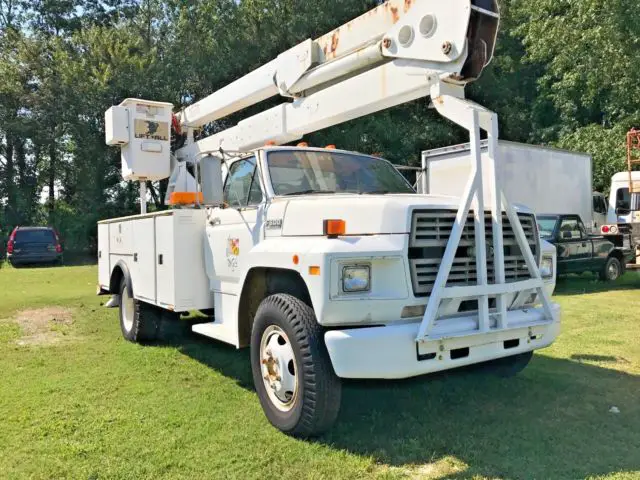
column 547, row 180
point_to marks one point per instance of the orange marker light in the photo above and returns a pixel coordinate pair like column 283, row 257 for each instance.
column 330, row 147
column 314, row 270
column 296, row 259
column 302, row 145
column 185, row 198
column 334, row 228
column 270, row 143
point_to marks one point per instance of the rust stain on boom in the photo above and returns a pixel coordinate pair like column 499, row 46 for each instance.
column 374, row 23
column 394, row 14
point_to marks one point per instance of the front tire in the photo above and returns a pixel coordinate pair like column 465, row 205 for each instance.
column 292, row 373
column 139, row 321
column 612, row 270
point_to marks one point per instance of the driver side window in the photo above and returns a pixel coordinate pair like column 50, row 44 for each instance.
column 571, row 229
column 242, row 186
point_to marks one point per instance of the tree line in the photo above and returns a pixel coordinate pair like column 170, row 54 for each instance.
column 565, row 73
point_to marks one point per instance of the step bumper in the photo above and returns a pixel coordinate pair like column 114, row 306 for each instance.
column 391, row 352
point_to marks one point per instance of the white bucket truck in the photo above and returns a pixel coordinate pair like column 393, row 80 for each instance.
column 325, row 262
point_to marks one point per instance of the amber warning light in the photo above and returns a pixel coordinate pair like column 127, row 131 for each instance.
column 334, row 228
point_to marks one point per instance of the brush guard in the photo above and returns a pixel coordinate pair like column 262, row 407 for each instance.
column 450, row 102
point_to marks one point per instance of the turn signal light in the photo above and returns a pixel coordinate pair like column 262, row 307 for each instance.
column 269, row 143
column 330, row 147
column 302, row 145
column 334, row 228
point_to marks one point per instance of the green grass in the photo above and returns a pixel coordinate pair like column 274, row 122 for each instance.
column 95, row 406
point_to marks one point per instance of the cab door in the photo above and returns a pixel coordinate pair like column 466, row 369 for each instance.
column 234, row 229
column 574, row 247
column 599, row 211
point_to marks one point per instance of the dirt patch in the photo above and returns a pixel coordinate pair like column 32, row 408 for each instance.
column 44, row 326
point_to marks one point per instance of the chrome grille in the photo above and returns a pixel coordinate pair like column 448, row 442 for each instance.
column 430, row 233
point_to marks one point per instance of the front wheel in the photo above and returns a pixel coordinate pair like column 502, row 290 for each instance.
column 612, row 270
column 292, row 373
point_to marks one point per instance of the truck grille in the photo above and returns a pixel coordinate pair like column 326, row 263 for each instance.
column 430, row 231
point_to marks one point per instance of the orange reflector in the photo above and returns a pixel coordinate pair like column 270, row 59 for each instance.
column 330, row 147
column 296, row 259
column 314, row 270
column 333, row 228
column 185, row 198
column 270, row 143
column 302, row 144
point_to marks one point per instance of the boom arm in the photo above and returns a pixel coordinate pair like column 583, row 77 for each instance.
column 393, row 54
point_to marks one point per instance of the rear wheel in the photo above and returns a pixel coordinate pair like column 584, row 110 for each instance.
column 612, row 270
column 139, row 321
column 292, row 373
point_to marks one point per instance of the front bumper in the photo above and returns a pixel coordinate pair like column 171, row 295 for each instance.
column 392, row 352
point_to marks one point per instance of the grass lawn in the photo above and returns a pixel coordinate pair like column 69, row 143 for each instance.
column 80, row 402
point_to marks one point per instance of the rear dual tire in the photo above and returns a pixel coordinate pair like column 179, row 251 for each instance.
column 139, row 321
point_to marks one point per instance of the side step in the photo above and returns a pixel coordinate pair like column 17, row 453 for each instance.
column 217, row 331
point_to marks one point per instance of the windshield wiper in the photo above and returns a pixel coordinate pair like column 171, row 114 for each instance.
column 306, row 192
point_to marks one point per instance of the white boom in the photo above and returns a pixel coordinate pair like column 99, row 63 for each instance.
column 393, row 54
column 398, row 52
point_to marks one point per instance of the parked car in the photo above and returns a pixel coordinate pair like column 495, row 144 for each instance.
column 579, row 251
column 30, row 245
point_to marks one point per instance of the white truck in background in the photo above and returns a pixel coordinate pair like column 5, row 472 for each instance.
column 547, row 180
column 325, row 262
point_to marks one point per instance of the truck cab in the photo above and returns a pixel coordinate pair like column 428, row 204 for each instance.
column 579, row 251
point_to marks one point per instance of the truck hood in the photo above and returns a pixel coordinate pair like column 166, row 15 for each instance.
column 363, row 214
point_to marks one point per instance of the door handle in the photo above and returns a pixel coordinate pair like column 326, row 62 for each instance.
column 214, row 221
column 584, row 244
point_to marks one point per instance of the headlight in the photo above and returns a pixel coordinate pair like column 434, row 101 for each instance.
column 356, row 278
column 546, row 267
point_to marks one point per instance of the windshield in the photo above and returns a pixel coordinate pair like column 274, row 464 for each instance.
column 546, row 226
column 623, row 199
column 296, row 172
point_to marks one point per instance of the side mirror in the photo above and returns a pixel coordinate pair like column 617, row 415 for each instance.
column 566, row 235
column 622, row 211
column 211, row 180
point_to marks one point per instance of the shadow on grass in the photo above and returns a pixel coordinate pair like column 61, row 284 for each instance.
column 552, row 421
column 590, row 283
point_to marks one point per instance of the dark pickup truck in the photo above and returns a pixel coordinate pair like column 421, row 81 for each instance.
column 579, row 251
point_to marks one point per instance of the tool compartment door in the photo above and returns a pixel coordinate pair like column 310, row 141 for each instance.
column 165, row 261
column 104, row 268
column 144, row 260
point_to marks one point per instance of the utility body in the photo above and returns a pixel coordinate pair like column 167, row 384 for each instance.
column 325, row 262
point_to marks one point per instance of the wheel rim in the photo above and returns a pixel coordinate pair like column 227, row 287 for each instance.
column 278, row 368
column 613, row 270
column 127, row 307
